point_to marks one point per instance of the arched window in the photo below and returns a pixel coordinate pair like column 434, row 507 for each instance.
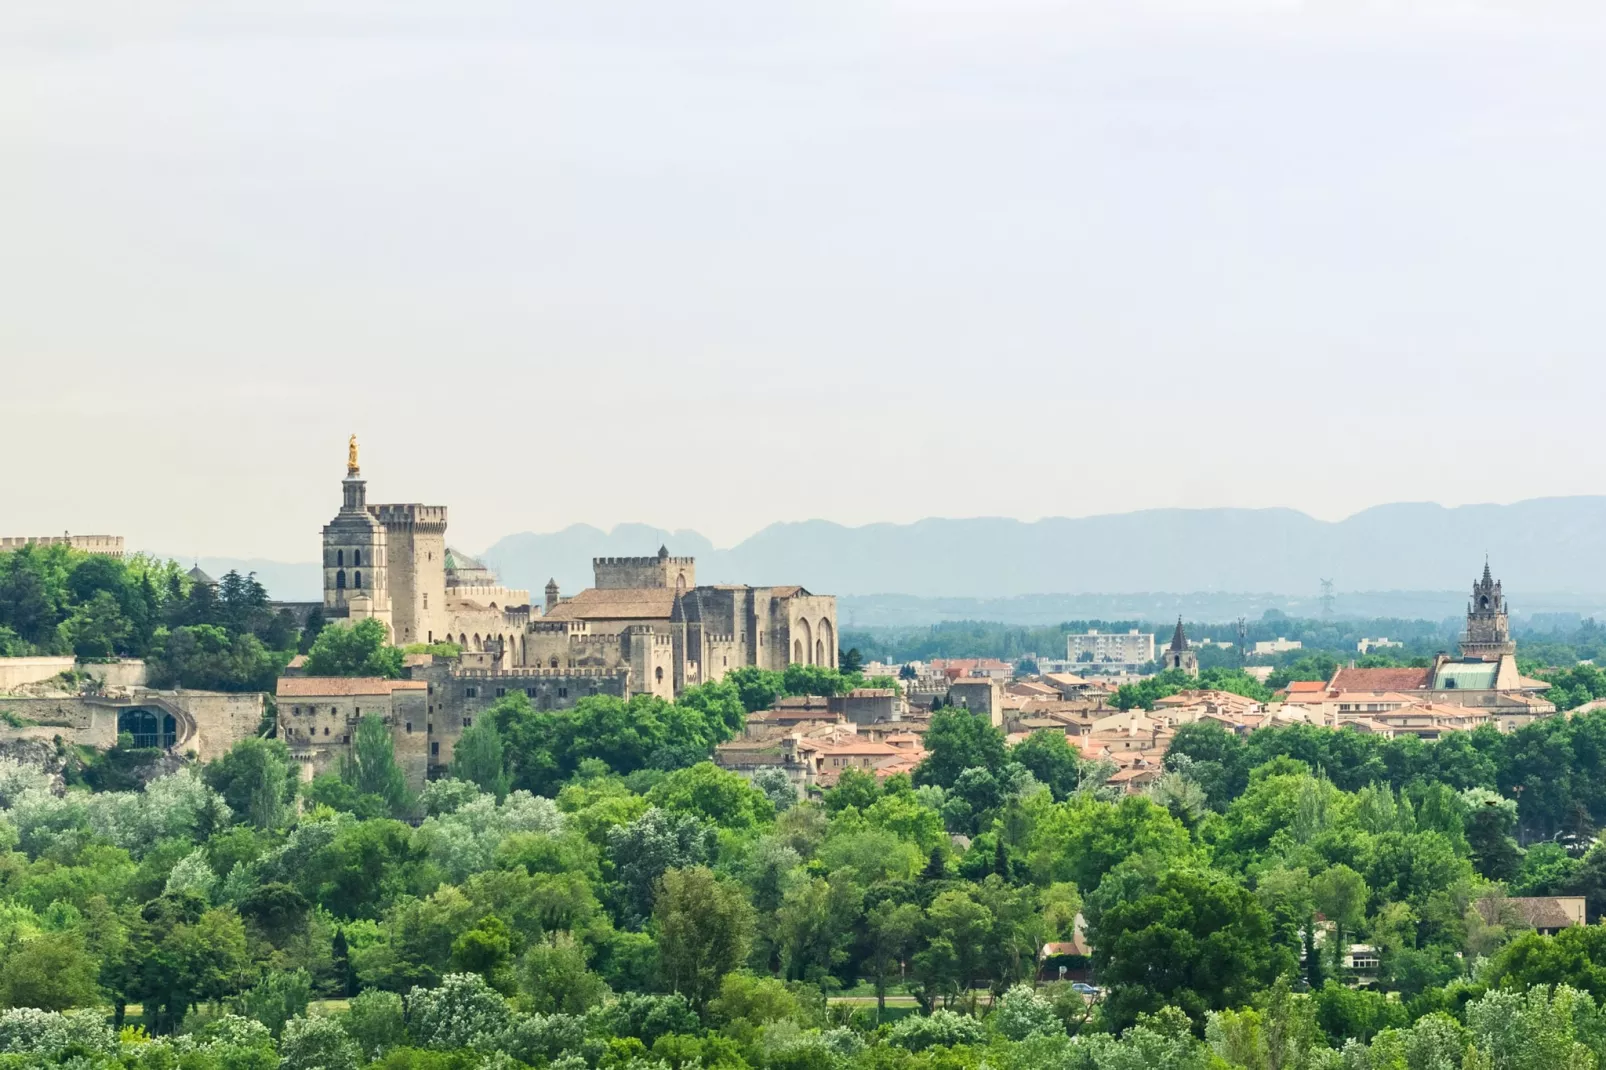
column 150, row 728
column 356, row 579
column 340, row 580
column 819, row 652
column 797, row 651
column 658, row 674
column 340, row 558
column 554, row 661
column 426, row 604
column 356, row 557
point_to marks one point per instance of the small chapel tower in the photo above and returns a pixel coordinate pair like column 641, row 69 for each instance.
column 1178, row 656
column 1488, row 634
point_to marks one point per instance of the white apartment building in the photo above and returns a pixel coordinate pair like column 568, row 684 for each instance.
column 1109, row 650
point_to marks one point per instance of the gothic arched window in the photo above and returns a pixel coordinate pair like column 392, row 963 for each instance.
column 340, row 558
column 356, row 579
column 356, row 557
column 340, row 580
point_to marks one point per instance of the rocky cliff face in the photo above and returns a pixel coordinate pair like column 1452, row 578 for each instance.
column 40, row 754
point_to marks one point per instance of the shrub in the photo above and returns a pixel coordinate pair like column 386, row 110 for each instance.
column 1022, row 1013
column 54, row 1035
column 376, row 1022
column 464, row 1012
column 940, row 1028
column 316, row 1044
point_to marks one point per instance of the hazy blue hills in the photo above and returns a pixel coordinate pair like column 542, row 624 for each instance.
column 1548, row 551
column 1543, row 545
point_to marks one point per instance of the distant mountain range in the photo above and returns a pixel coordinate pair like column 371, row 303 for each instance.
column 1548, row 551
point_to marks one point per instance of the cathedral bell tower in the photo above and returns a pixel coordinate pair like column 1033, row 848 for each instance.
column 1488, row 634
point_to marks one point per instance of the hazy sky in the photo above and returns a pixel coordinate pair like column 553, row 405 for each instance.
column 717, row 263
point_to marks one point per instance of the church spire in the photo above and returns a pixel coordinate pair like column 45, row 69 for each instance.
column 1179, row 638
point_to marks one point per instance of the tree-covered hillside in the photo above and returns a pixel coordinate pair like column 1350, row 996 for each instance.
column 587, row 890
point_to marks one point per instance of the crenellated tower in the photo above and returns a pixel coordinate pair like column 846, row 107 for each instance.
column 622, row 573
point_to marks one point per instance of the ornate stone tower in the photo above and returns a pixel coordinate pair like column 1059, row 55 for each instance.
column 355, row 570
column 1178, row 656
column 1488, row 634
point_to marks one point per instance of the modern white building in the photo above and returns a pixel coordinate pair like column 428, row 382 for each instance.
column 1109, row 651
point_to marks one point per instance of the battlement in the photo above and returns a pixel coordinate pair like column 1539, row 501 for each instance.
column 599, row 639
column 108, row 545
column 410, row 515
column 544, row 674
column 719, row 637
column 642, row 562
column 510, row 596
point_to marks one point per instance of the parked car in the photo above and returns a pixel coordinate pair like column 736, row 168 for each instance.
column 1084, row 989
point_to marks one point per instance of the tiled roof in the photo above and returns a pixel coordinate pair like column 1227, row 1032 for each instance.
column 1542, row 912
column 1306, row 687
column 326, row 686
column 864, row 748
column 1347, row 679
column 625, row 603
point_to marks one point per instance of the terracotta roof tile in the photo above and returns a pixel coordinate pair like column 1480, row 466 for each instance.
column 1381, row 679
column 625, row 603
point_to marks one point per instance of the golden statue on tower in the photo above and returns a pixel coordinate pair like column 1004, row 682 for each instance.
column 351, row 456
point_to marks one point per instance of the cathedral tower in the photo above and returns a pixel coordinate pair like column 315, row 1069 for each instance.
column 355, row 569
column 1488, row 634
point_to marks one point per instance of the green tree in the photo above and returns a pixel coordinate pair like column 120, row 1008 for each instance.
column 1490, row 820
column 814, row 924
column 556, row 980
column 207, row 658
column 1340, row 894
column 727, row 799
column 280, row 996
column 371, row 768
column 484, row 950
column 894, row 929
column 705, row 927
column 1186, row 937
column 359, row 649
column 1050, row 758
column 97, row 627
column 52, row 971
column 257, row 779
column 1574, row 956
column 643, row 850
column 477, row 758
column 958, row 740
